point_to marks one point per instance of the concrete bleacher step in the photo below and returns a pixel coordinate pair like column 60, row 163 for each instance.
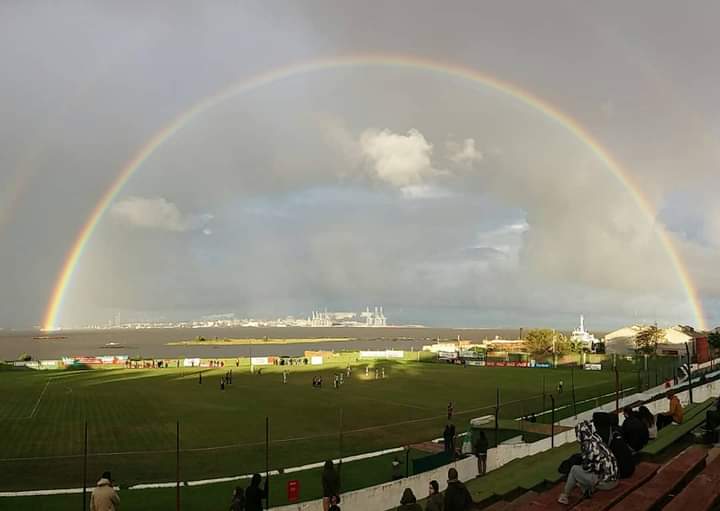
column 668, row 478
column 694, row 417
column 601, row 500
column 516, row 505
column 702, row 493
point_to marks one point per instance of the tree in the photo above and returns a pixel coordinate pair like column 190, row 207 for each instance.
column 647, row 339
column 539, row 341
column 563, row 344
column 714, row 340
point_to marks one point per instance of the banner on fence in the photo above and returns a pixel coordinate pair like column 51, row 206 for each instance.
column 540, row 365
column 506, row 364
column 260, row 361
column 191, row 362
column 447, row 355
column 316, row 361
column 382, row 354
column 293, row 490
column 90, row 360
column 480, row 363
column 593, row 367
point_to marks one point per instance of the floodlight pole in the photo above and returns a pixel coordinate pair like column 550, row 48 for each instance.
column 84, row 492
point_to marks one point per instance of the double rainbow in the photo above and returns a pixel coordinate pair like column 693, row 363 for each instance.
column 51, row 318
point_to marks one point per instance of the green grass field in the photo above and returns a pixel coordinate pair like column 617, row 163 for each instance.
column 132, row 416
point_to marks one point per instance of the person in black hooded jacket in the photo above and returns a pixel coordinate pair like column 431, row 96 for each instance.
column 606, row 426
column 634, row 430
column 254, row 495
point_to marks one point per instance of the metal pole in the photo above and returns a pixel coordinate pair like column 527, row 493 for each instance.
column 572, row 382
column 617, row 391
column 177, row 466
column 407, row 462
column 267, row 458
column 543, row 394
column 687, row 349
column 340, row 442
column 552, row 422
column 497, row 413
column 84, row 493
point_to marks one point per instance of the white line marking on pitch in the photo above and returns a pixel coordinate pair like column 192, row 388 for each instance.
column 37, row 403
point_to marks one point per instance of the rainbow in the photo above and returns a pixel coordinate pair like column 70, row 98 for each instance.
column 349, row 61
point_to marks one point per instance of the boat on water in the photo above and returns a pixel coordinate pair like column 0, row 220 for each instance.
column 112, row 344
column 49, row 337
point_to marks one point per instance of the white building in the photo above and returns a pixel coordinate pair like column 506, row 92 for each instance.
column 622, row 341
column 583, row 337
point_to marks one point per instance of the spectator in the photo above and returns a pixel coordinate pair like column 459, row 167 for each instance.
column 396, row 469
column 408, row 502
column 452, row 438
column 457, row 496
column 254, row 495
column 447, row 438
column 649, row 419
column 330, row 484
column 480, row 448
column 608, row 429
column 435, row 499
column 238, row 500
column 674, row 413
column 599, row 468
column 334, row 501
column 104, row 497
column 634, row 430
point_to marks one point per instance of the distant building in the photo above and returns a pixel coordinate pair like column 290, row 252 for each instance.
column 583, row 337
column 376, row 318
column 622, row 341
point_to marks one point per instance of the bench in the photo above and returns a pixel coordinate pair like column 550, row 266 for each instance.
column 601, row 500
column 694, row 416
column 702, row 493
column 521, row 474
column 668, row 478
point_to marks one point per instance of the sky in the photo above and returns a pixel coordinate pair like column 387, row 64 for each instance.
column 443, row 199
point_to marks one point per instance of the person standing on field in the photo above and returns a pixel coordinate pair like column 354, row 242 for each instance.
column 560, row 387
column 450, row 410
column 104, row 497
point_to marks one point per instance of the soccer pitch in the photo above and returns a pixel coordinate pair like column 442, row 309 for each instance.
column 132, row 416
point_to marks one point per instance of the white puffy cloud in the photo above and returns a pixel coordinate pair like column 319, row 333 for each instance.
column 158, row 213
column 400, row 160
column 463, row 153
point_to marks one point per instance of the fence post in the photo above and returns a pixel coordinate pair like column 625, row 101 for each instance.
column 572, row 382
column 497, row 413
column 552, row 422
column 543, row 394
column 84, row 492
column 689, row 365
column 177, row 465
column 267, row 459
column 617, row 391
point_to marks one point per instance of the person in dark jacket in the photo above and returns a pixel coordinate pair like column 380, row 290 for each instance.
column 254, row 495
column 238, row 500
column 435, row 498
column 330, row 484
column 606, row 426
column 480, row 449
column 408, row 502
column 457, row 496
column 634, row 430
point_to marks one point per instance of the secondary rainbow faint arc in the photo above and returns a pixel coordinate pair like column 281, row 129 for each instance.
column 396, row 61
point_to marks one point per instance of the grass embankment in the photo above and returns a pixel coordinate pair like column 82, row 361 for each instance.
column 132, row 416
